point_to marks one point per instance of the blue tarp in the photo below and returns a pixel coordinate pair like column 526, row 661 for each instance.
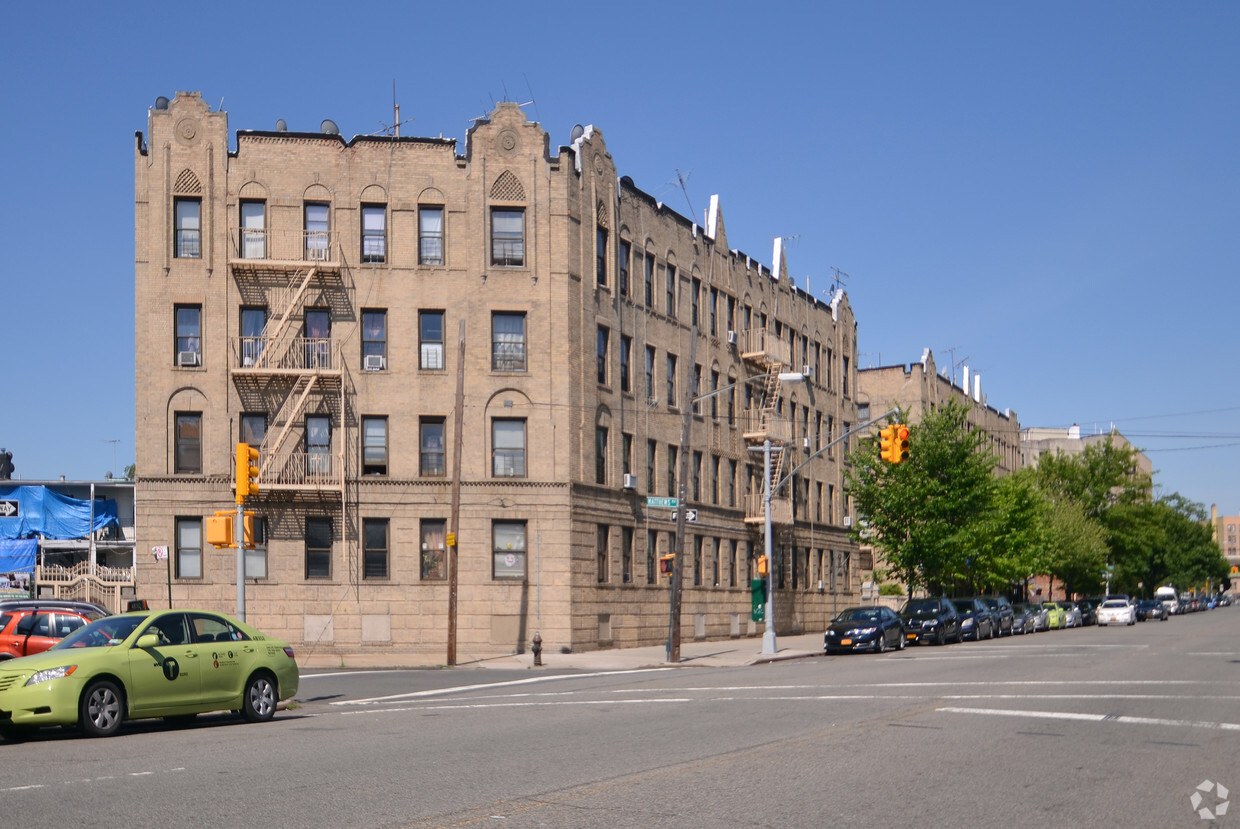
column 44, row 512
column 17, row 555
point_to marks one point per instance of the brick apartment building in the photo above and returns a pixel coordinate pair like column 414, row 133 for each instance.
column 307, row 295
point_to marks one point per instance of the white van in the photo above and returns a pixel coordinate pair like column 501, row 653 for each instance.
column 1167, row 597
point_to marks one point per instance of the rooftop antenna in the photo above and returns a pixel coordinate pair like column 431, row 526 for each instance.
column 683, row 179
column 840, row 278
column 113, row 441
column 395, row 125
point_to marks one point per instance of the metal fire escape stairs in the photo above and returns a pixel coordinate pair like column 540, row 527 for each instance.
column 765, row 421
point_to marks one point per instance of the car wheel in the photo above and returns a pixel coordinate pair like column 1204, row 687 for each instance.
column 903, row 642
column 259, row 704
column 941, row 637
column 101, row 711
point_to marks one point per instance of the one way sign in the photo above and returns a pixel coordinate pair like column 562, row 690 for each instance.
column 8, row 509
column 690, row 514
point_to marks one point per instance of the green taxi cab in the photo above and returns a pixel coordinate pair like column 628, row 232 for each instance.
column 1056, row 618
column 173, row 664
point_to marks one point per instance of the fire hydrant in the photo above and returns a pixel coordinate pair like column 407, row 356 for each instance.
column 536, row 647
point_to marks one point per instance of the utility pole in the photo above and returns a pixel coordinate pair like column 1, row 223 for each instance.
column 682, row 508
column 455, row 515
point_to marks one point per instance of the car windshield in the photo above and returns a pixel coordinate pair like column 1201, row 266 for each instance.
column 921, row 609
column 110, row 630
column 858, row 614
column 1115, row 603
column 964, row 607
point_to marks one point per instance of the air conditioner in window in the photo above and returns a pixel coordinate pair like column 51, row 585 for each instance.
column 374, row 362
column 630, row 481
column 731, row 338
column 316, row 251
column 187, row 358
column 847, row 520
column 805, row 443
column 808, row 371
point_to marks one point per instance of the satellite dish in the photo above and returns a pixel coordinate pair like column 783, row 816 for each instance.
column 329, row 127
column 578, row 131
column 161, row 102
column 281, row 126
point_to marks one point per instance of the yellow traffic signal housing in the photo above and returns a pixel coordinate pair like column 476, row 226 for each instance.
column 220, row 530
column 247, row 471
column 899, row 446
column 886, row 444
column 763, row 569
column 667, row 564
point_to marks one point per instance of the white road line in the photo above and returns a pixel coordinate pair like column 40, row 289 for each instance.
column 467, row 705
column 438, row 692
column 1109, row 718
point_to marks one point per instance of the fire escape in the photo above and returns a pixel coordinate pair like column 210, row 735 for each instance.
column 281, row 370
column 765, row 420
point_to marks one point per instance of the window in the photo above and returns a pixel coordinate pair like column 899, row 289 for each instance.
column 317, row 230
column 626, row 555
column 374, row 340
column 256, row 559
column 508, row 342
column 430, row 340
column 622, row 281
column 253, row 428
column 695, row 390
column 188, row 230
column 648, row 278
column 253, row 230
column 430, row 236
column 604, row 336
column 626, row 454
column 671, row 380
column 600, row 454
column 600, row 255
column 626, row 349
column 672, row 451
column 695, row 293
column 733, row 544
column 374, row 446
column 188, row 335
column 714, row 479
column 253, row 322
column 318, row 548
column 189, row 548
column 696, row 475
column 714, row 312
column 651, row 452
column 844, row 375
column 650, row 372
column 188, row 442
column 374, row 232
column 731, row 484
column 434, row 566
column 318, row 333
column 697, row 561
column 670, row 274
column 508, row 556
column 602, row 554
column 432, row 447
column 318, row 445
column 652, row 552
column 374, row 548
column 508, row 448
column 507, row 236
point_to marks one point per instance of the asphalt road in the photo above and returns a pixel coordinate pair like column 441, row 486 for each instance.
column 1090, row 727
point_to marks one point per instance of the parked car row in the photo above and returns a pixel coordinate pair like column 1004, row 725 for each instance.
column 940, row 621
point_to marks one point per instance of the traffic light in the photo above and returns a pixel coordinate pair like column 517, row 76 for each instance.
column 899, row 447
column 247, row 471
column 763, row 569
column 667, row 564
column 886, row 444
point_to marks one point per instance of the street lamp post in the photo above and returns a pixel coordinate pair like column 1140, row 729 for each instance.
column 768, row 636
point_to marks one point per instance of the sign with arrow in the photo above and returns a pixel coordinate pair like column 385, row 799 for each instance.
column 690, row 514
column 8, row 509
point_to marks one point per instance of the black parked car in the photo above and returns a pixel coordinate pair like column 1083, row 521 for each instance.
column 976, row 622
column 864, row 628
column 1089, row 609
column 930, row 620
column 1149, row 609
column 1001, row 610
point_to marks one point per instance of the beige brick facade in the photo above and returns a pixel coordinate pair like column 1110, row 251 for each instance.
column 360, row 260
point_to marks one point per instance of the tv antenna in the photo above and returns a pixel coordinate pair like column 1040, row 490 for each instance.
column 840, row 278
column 394, row 127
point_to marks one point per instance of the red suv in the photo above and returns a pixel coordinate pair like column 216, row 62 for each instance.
column 30, row 627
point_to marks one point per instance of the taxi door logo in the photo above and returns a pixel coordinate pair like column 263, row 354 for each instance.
column 172, row 669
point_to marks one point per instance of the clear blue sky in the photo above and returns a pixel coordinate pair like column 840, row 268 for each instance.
column 1047, row 189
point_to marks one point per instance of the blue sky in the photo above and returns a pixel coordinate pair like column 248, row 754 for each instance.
column 1047, row 191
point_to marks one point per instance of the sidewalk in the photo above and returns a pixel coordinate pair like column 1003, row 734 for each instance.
column 727, row 653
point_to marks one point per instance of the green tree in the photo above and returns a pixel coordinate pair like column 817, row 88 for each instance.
column 1103, row 475
column 928, row 514
column 1168, row 541
column 1019, row 530
column 1077, row 555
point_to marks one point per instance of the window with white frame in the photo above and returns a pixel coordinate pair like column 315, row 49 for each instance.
column 374, row 233
column 431, row 441
column 507, row 236
column 188, row 437
column 508, row 341
column 253, row 229
column 187, row 232
column 430, row 235
column 189, row 548
column 374, row 446
column 188, row 350
column 318, row 445
column 434, row 566
column 508, row 448
column 374, row 339
column 317, row 231
column 508, row 550
column 430, row 340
